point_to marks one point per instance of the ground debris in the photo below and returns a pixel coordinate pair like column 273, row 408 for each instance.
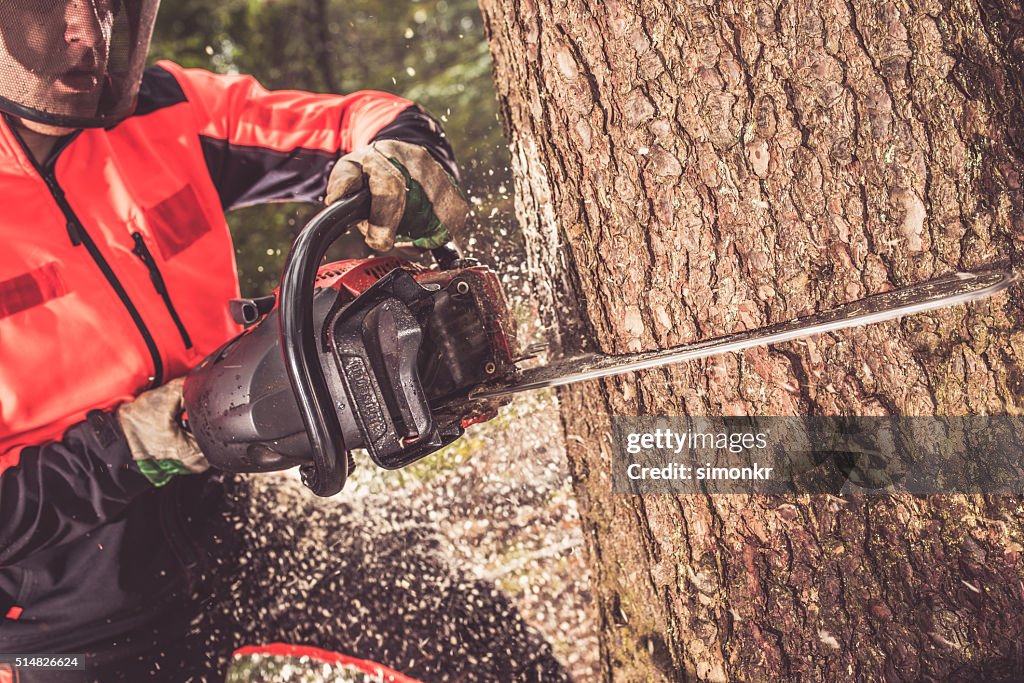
column 457, row 569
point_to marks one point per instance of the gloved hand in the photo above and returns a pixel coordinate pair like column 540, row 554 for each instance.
column 414, row 201
column 159, row 445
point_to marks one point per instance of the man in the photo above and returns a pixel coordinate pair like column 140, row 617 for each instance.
column 114, row 278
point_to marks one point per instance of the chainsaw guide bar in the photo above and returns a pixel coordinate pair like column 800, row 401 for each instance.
column 395, row 359
column 943, row 292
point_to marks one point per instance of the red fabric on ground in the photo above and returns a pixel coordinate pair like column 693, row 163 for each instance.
column 325, row 656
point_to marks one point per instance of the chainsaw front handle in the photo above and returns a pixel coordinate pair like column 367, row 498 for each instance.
column 327, row 475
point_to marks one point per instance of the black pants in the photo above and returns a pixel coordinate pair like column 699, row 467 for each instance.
column 367, row 580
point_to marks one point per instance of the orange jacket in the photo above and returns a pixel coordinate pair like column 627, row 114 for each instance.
column 84, row 322
column 115, row 273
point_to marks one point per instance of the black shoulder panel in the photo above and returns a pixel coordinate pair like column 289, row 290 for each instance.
column 159, row 89
column 247, row 175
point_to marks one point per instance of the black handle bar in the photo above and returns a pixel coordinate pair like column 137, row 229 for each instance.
column 327, row 475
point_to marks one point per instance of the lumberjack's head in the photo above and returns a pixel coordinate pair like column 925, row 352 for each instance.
column 73, row 63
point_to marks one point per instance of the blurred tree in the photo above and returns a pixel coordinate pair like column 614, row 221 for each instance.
column 431, row 51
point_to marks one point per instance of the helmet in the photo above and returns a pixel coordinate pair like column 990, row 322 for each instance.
column 73, row 63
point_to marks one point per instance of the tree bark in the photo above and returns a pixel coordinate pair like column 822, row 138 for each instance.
column 689, row 169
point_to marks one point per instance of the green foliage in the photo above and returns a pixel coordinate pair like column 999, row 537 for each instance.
column 431, row 51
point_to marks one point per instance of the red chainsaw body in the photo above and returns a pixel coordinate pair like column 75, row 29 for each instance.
column 355, row 276
column 404, row 350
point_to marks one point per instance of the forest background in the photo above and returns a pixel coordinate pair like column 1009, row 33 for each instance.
column 430, row 51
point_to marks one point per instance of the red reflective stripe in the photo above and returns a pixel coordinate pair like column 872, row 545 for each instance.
column 14, row 612
column 326, row 657
column 6, row 677
column 177, row 222
column 30, row 289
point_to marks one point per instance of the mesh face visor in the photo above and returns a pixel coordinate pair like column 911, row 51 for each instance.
column 73, row 63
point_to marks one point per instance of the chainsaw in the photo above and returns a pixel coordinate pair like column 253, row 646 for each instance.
column 398, row 359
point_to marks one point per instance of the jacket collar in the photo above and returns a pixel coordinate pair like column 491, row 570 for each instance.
column 14, row 156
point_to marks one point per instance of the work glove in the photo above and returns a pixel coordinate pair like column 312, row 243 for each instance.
column 414, row 202
column 160, row 446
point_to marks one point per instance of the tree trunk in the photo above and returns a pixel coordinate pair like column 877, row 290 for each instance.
column 688, row 169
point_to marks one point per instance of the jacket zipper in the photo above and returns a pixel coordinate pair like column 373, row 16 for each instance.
column 79, row 237
column 142, row 251
column 77, row 231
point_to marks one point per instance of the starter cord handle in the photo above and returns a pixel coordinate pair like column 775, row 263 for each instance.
column 327, row 475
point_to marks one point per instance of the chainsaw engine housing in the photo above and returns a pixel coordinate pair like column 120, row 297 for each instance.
column 402, row 349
